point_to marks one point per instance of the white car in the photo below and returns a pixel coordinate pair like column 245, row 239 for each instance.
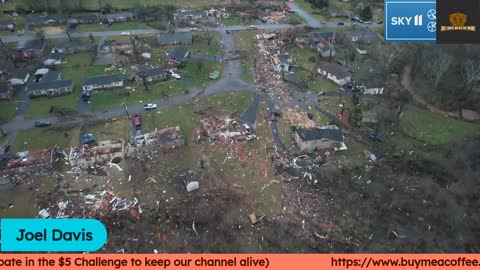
column 174, row 75
column 253, row 27
column 125, row 33
column 250, row 137
column 150, row 106
column 247, row 129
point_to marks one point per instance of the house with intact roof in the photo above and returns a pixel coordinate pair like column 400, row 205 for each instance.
column 189, row 15
column 177, row 57
column 49, row 88
column 311, row 139
column 336, row 73
column 102, row 82
column 151, row 74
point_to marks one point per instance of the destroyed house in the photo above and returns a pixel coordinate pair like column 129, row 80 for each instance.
column 27, row 160
column 174, row 38
column 50, row 88
column 336, row 73
column 85, row 155
column 326, row 50
column 282, row 62
column 312, row 139
column 5, row 90
column 54, row 59
column 221, row 128
column 164, row 139
column 32, row 48
column 153, row 74
column 177, row 57
column 102, row 82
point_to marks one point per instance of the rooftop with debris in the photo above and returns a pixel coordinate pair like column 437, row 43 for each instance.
column 27, row 159
column 103, row 148
column 166, row 136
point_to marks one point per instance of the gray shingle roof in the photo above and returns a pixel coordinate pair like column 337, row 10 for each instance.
column 152, row 72
column 103, row 79
column 319, row 133
column 50, row 76
column 49, row 85
column 177, row 53
column 34, row 45
column 336, row 70
column 174, row 37
column 18, row 74
column 4, row 87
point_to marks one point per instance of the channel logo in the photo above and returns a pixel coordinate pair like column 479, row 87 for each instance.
column 410, row 21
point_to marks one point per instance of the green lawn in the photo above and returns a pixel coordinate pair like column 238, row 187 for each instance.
column 434, row 128
column 200, row 44
column 230, row 21
column 38, row 138
column 91, row 27
column 300, row 56
column 115, row 98
column 338, row 5
column 79, row 59
column 197, row 71
column 127, row 26
column 7, row 109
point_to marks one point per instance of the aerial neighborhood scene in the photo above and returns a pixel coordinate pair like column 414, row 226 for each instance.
column 228, row 126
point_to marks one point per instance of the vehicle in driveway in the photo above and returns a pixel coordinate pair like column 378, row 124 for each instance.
column 214, row 75
column 340, row 23
column 88, row 139
column 247, row 129
column 322, row 93
column 174, row 75
column 227, row 31
column 137, row 121
column 250, row 137
column 149, row 106
column 42, row 124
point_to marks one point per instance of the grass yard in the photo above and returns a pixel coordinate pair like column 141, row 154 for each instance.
column 115, row 98
column 230, row 21
column 246, row 40
column 7, row 110
column 115, row 129
column 315, row 13
column 200, row 44
column 95, row 27
column 38, row 138
column 197, row 71
column 301, row 55
column 127, row 26
column 82, row 59
column 434, row 128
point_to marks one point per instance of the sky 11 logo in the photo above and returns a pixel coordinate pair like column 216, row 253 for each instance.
column 417, row 20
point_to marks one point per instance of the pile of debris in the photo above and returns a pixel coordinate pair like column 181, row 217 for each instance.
column 24, row 161
column 96, row 204
column 295, row 117
column 85, row 155
column 274, row 17
column 164, row 139
column 223, row 129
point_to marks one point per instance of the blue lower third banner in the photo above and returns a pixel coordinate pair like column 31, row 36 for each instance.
column 410, row 21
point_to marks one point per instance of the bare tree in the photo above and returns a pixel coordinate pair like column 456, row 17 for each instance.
column 40, row 33
column 66, row 29
column 471, row 75
column 435, row 63
column 145, row 82
column 136, row 53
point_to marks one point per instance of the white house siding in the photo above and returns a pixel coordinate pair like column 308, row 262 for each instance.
column 334, row 79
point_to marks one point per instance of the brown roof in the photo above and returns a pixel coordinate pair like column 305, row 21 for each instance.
column 336, row 70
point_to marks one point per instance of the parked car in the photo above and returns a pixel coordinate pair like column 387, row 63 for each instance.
column 214, row 75
column 340, row 23
column 174, row 75
column 125, row 33
column 247, row 129
column 266, row 90
column 376, row 137
column 137, row 121
column 150, row 106
column 42, row 124
column 88, row 139
column 253, row 27
column 310, row 116
column 250, row 137
column 227, row 31
column 380, row 22
column 322, row 93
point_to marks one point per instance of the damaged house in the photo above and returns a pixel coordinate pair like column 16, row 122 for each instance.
column 336, row 73
column 18, row 77
column 164, row 139
column 27, row 161
column 119, row 17
column 102, row 82
column 177, row 57
column 189, row 15
column 85, row 155
column 54, row 59
column 219, row 128
column 311, row 139
column 191, row 180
